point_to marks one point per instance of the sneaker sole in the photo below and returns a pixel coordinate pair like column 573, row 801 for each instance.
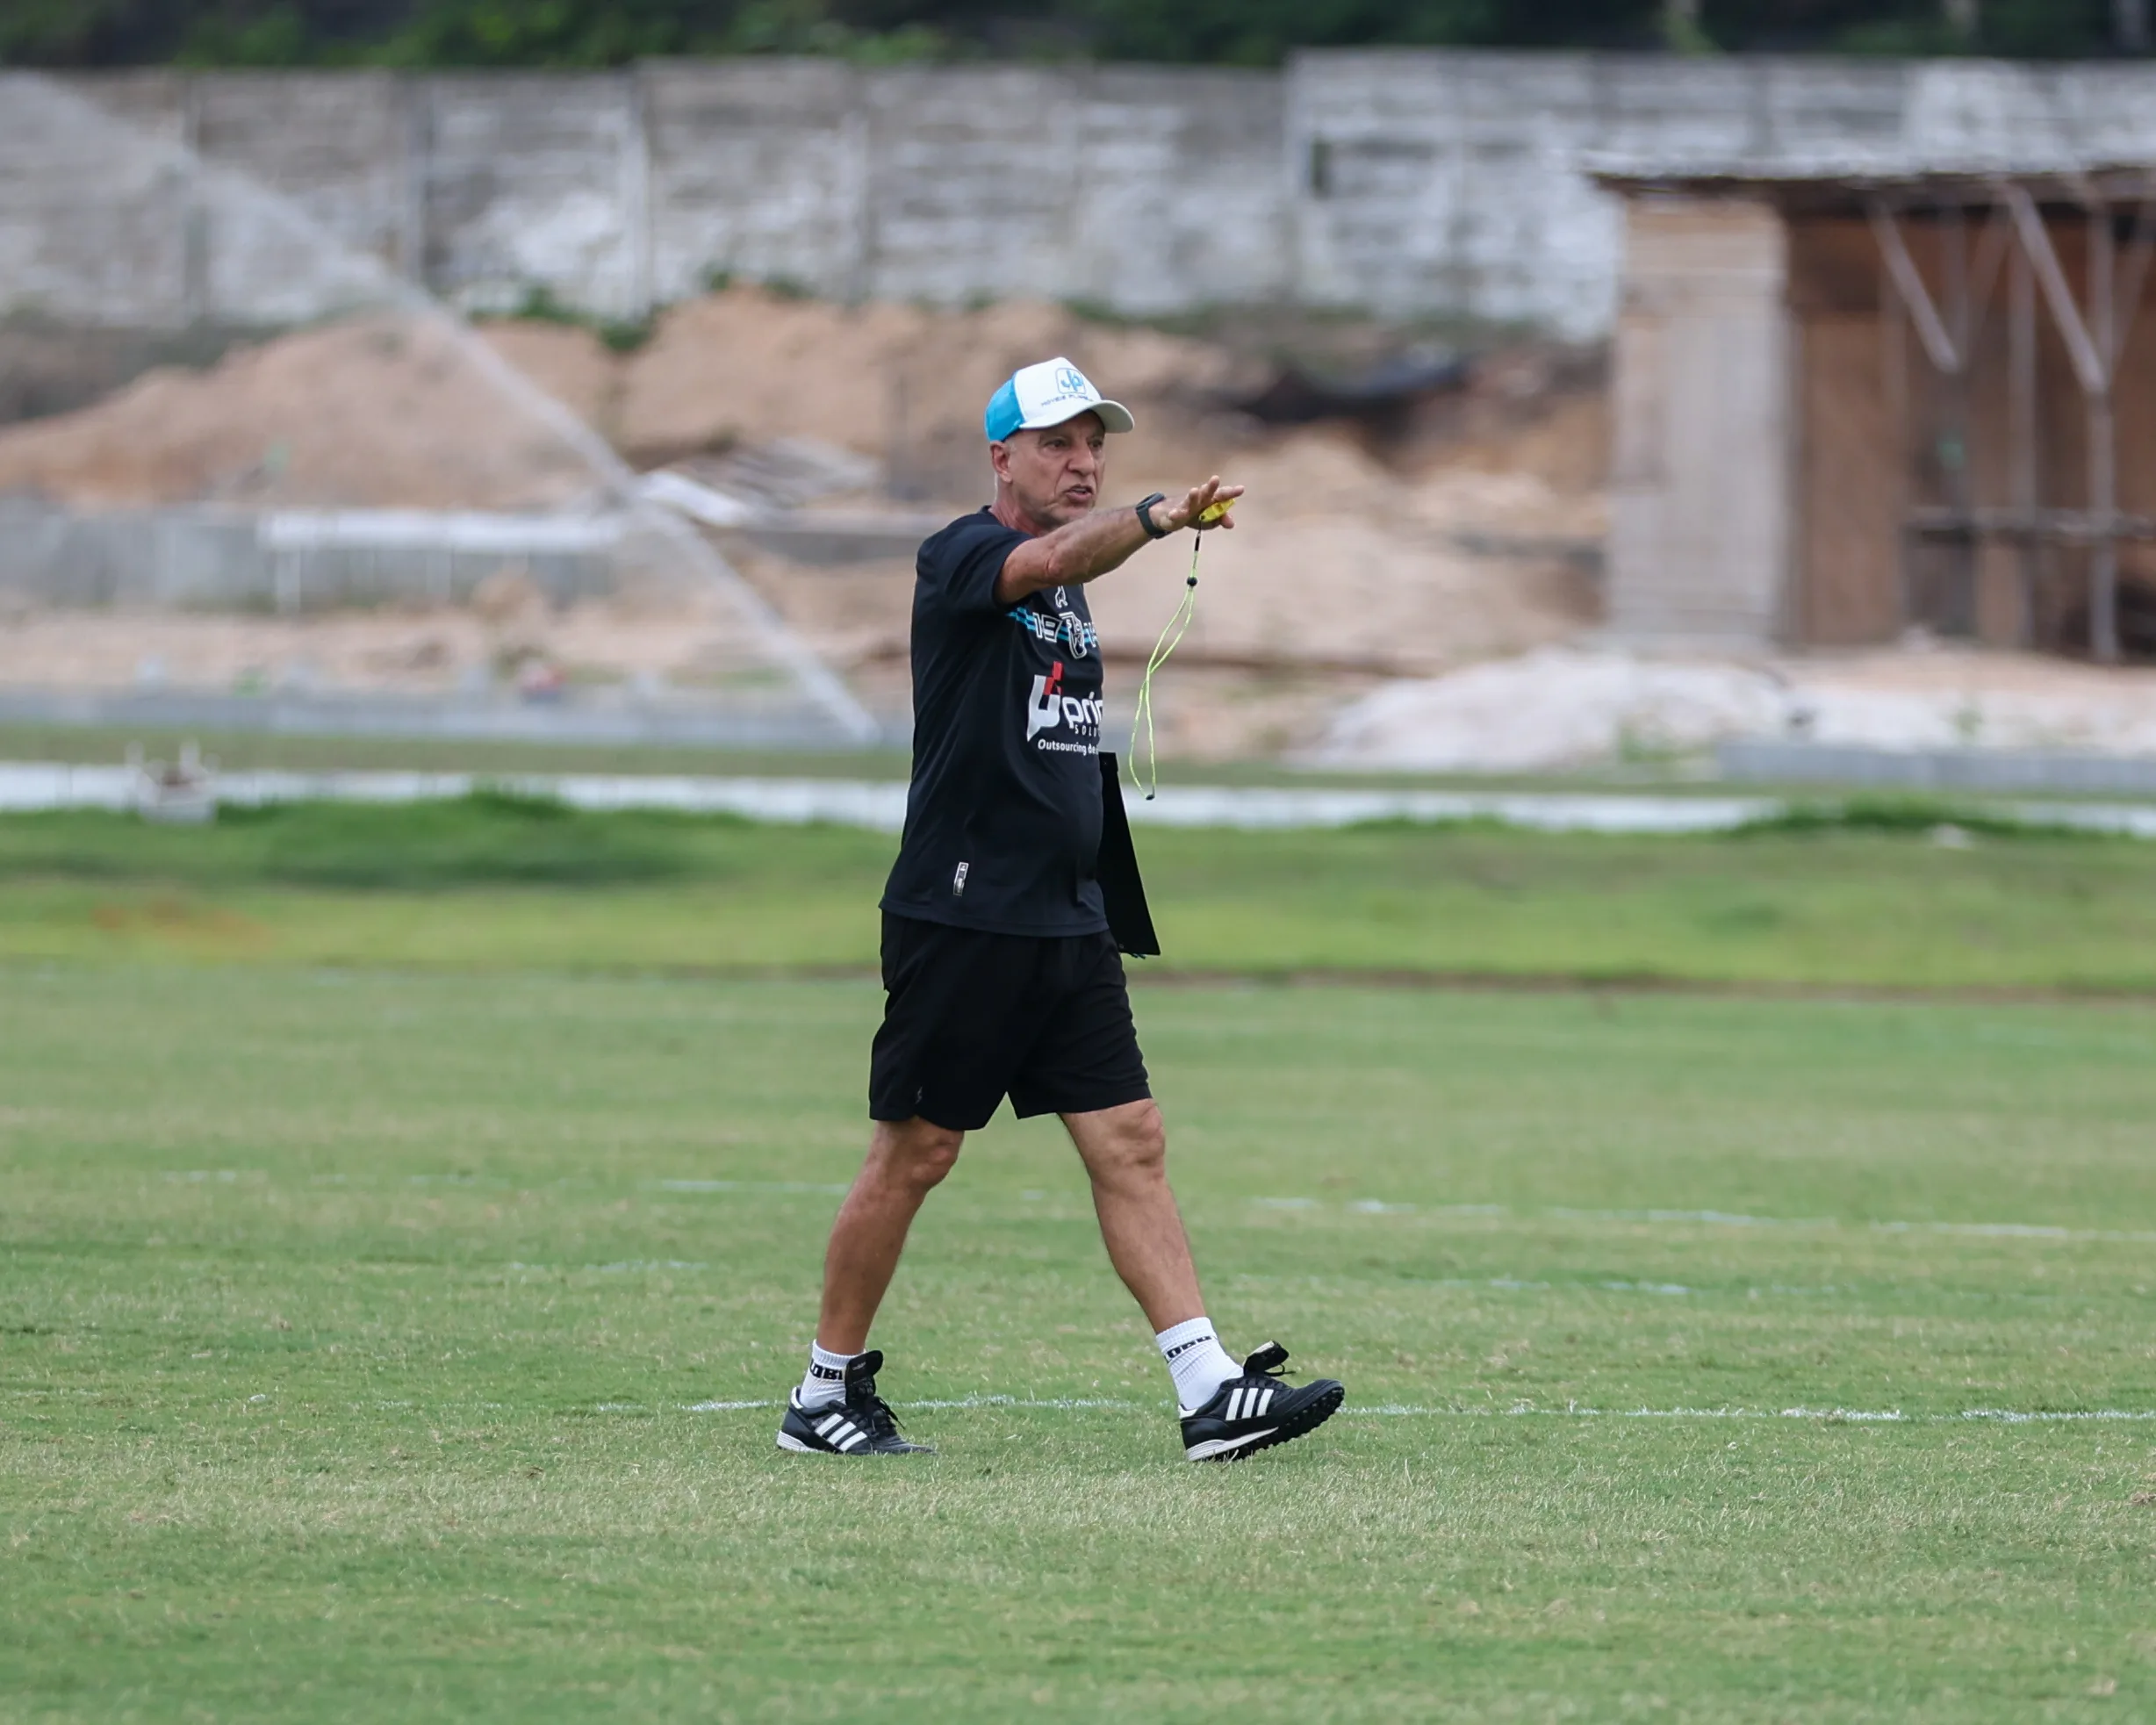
column 1305, row 1421
column 794, row 1446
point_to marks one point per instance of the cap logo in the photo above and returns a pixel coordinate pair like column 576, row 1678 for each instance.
column 1071, row 383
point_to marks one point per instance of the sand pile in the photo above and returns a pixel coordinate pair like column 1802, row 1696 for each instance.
column 1438, row 555
column 1337, row 564
column 683, row 641
column 1557, row 709
column 903, row 384
column 1343, row 566
column 1337, row 560
column 380, row 411
column 385, row 412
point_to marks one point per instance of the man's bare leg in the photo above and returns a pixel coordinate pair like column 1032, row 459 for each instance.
column 1227, row 1410
column 1125, row 1153
column 906, row 1160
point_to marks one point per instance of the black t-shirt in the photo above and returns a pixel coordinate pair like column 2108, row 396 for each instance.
column 1003, row 816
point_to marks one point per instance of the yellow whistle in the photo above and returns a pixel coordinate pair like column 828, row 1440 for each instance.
column 1214, row 511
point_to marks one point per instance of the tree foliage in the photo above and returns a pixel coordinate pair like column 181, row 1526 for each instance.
column 1255, row 33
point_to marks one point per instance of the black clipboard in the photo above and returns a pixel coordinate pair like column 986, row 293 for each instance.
column 1123, row 894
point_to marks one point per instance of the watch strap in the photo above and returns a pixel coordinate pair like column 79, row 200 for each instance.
column 1144, row 516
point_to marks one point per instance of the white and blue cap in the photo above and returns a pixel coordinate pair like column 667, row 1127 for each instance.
column 1037, row 396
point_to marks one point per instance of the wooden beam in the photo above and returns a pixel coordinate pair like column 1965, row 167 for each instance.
column 1991, row 251
column 2089, row 367
column 1902, row 270
column 2103, row 437
column 2021, row 432
column 2066, row 527
column 1893, row 342
column 2134, row 282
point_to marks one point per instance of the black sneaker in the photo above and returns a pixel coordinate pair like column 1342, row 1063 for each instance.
column 1256, row 1410
column 859, row 1423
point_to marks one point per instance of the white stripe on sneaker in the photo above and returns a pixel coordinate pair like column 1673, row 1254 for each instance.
column 825, row 1426
column 1213, row 1447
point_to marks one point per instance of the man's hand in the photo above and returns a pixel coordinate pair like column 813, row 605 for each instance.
column 1083, row 549
column 1200, row 499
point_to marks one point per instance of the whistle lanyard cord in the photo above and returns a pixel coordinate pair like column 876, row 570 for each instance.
column 1171, row 636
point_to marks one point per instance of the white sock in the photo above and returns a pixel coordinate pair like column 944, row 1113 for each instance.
column 826, row 1381
column 1196, row 1361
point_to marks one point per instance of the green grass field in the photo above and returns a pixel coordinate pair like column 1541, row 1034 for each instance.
column 493, row 883
column 379, row 1344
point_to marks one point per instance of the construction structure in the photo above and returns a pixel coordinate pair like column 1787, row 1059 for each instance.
column 1856, row 399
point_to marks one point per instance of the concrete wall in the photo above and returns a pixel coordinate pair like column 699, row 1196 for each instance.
column 215, row 559
column 1700, row 480
column 110, row 218
column 1441, row 184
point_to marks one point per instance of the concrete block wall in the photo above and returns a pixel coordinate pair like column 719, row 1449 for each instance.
column 1445, row 182
column 95, row 227
column 213, row 559
column 1438, row 183
column 535, row 179
column 1145, row 190
column 759, row 170
column 111, row 218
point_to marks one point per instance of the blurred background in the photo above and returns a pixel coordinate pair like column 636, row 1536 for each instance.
column 1649, row 391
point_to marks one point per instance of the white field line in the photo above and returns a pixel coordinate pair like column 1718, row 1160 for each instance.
column 628, row 1266
column 1725, row 1218
column 498, row 1181
column 1516, row 1284
column 1998, row 1416
column 1712, row 1217
column 1988, row 1416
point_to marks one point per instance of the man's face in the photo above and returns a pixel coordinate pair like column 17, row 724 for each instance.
column 1054, row 475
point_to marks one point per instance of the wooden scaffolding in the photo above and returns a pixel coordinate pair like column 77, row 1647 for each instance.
column 1999, row 224
column 1969, row 475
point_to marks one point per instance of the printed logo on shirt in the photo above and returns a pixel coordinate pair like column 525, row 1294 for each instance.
column 1049, row 709
column 1065, row 629
column 958, row 880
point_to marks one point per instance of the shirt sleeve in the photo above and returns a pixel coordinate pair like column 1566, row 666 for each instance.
column 960, row 563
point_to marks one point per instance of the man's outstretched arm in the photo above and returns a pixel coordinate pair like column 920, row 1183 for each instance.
column 1082, row 550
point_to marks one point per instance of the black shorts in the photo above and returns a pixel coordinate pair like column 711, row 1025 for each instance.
column 969, row 1018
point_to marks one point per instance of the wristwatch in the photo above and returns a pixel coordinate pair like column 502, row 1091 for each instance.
column 1144, row 516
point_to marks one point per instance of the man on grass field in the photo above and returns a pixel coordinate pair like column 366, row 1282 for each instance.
column 1001, row 972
